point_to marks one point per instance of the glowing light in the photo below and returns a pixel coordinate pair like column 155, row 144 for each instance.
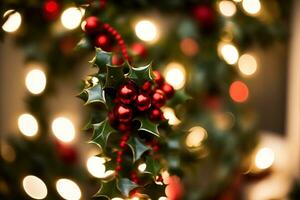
column 13, row 22
column 35, row 81
column 264, row 158
column 230, row 53
column 63, row 129
column 169, row 114
column 7, row 152
column 227, row 8
column 239, row 91
column 116, row 198
column 142, row 167
column 162, row 198
column 195, row 137
column 68, row 189
column 35, row 187
column 146, row 30
column 95, row 166
column 252, row 7
column 247, row 64
column 189, row 47
column 175, row 75
column 28, row 125
column 135, row 198
column 71, row 17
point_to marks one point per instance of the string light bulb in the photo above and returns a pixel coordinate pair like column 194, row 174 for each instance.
column 251, row 7
column 28, row 125
column 71, row 17
column 264, row 158
column 63, row 129
column 13, row 21
column 96, row 167
column 175, row 75
column 35, row 81
column 146, row 30
column 229, row 53
column 34, row 187
column 227, row 8
column 247, row 64
column 195, row 137
column 68, row 189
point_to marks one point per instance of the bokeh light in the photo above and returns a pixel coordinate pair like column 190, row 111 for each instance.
column 35, row 187
column 146, row 30
column 142, row 167
column 247, row 64
column 251, row 7
column 189, row 46
column 96, row 167
column 28, row 125
column 71, row 17
column 175, row 75
column 239, row 91
column 13, row 22
column 63, row 129
column 117, row 198
column 264, row 158
column 35, row 81
column 169, row 114
column 68, row 189
column 162, row 198
column 229, row 53
column 7, row 152
column 195, row 137
column 227, row 8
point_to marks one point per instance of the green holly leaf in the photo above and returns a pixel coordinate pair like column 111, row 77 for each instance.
column 102, row 59
column 140, row 74
column 180, row 97
column 125, row 186
column 83, row 44
column 137, row 147
column 148, row 126
column 114, row 76
column 94, row 94
column 108, row 190
column 102, row 132
column 152, row 166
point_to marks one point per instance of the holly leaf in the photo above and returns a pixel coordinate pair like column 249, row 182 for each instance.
column 137, row 148
column 93, row 94
column 125, row 186
column 148, row 126
column 140, row 74
column 101, row 59
column 152, row 166
column 108, row 190
column 179, row 97
column 101, row 133
column 114, row 76
column 83, row 44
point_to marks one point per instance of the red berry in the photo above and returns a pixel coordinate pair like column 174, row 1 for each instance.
column 123, row 144
column 120, row 153
column 124, row 127
column 139, row 49
column 111, row 117
column 143, row 102
column 101, row 41
column 158, row 78
column 117, row 60
column 204, row 15
column 92, row 24
column 146, row 87
column 155, row 148
column 156, row 115
column 118, row 168
column 158, row 98
column 119, row 160
column 123, row 113
column 127, row 93
column 168, row 90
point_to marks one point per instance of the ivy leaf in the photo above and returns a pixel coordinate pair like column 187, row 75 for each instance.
column 102, row 59
column 137, row 148
column 152, row 166
column 108, row 190
column 140, row 74
column 93, row 94
column 148, row 126
column 125, row 186
column 114, row 76
column 102, row 132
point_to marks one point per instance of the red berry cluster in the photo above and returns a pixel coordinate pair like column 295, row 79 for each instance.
column 100, row 35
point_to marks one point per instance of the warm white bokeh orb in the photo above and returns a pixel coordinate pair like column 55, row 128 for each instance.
column 117, row 198
column 162, row 198
column 247, row 64
column 230, row 53
column 35, row 187
column 35, row 81
column 264, row 158
column 175, row 75
column 195, row 137
column 28, row 125
column 227, row 8
column 96, row 167
column 251, row 7
column 63, row 129
column 71, row 17
column 68, row 189
column 13, row 22
column 169, row 114
column 142, row 167
column 146, row 30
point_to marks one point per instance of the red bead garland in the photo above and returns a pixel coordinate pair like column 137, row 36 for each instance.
column 120, row 153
